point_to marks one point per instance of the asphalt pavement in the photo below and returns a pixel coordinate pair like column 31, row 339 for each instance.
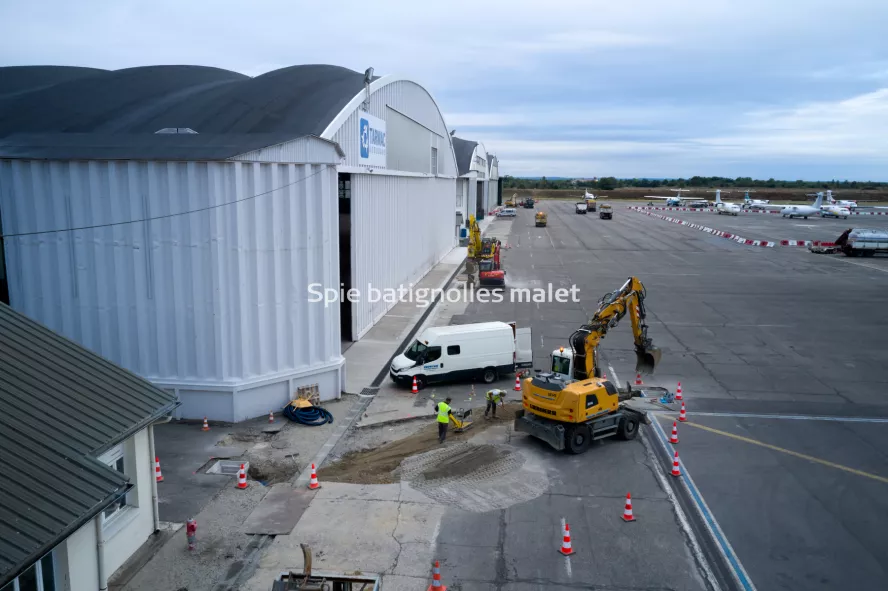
column 766, row 342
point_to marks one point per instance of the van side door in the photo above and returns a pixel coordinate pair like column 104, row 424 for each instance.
column 432, row 367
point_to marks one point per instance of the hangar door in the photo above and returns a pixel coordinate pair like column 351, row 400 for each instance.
column 480, row 200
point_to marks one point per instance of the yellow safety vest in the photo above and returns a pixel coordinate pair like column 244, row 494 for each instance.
column 495, row 397
column 443, row 412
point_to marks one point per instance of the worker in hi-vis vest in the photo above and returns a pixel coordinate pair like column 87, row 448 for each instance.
column 494, row 397
column 444, row 413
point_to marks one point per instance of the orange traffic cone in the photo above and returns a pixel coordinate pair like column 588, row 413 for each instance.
column 627, row 511
column 674, row 437
column 517, row 384
column 415, row 389
column 678, row 392
column 206, row 425
column 603, row 376
column 676, row 470
column 681, row 415
column 157, row 475
column 565, row 542
column 313, row 482
column 242, row 477
column 638, row 379
column 436, row 579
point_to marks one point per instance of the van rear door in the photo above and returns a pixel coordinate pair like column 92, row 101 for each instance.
column 523, row 348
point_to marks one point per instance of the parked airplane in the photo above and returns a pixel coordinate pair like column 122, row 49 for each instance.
column 831, row 209
column 674, row 201
column 722, row 207
column 588, row 196
column 803, row 211
column 754, row 203
column 841, row 202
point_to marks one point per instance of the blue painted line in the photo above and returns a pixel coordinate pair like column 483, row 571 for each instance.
column 790, row 417
column 736, row 567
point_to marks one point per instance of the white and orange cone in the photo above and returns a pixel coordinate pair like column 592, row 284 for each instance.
column 436, row 579
column 678, row 392
column 206, row 425
column 603, row 376
column 157, row 475
column 638, row 381
column 313, row 483
column 627, row 511
column 676, row 469
column 242, row 477
column 415, row 390
column 681, row 415
column 565, row 542
column 517, row 384
column 271, row 416
column 674, row 437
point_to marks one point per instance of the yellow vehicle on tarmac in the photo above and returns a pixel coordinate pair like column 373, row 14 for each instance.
column 571, row 406
column 605, row 211
column 510, row 202
column 541, row 219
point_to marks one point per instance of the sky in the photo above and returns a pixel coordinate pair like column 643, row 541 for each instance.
column 778, row 89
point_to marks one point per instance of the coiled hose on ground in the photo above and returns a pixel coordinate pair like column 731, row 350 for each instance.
column 313, row 416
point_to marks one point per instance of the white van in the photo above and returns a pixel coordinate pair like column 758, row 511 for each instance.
column 464, row 352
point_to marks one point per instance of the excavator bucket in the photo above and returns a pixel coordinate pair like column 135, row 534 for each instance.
column 647, row 359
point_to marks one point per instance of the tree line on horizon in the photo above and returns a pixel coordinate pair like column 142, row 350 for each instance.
column 610, row 183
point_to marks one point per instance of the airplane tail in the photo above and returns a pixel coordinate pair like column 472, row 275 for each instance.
column 819, row 200
column 718, row 198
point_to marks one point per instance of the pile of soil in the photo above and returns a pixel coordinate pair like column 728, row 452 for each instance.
column 375, row 466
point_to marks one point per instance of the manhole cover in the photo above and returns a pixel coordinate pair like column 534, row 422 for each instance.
column 475, row 478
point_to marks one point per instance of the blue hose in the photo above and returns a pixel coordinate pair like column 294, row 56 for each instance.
column 312, row 416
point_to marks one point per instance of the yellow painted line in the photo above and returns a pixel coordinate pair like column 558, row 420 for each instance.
column 790, row 452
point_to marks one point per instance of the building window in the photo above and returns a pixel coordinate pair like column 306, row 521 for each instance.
column 345, row 189
column 115, row 459
column 435, row 161
column 40, row 577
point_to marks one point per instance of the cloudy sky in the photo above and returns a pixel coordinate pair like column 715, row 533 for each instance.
column 640, row 88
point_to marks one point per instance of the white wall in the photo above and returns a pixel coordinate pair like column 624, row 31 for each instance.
column 409, row 100
column 123, row 536
column 401, row 228
column 213, row 298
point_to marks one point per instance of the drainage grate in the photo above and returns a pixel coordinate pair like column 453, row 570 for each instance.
column 365, row 392
column 227, row 467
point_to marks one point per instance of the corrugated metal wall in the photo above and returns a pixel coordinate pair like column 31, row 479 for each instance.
column 301, row 150
column 405, row 142
column 215, row 296
column 410, row 100
column 401, row 228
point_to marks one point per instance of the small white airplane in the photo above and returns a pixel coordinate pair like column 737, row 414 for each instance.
column 832, row 209
column 677, row 200
column 841, row 202
column 754, row 203
column 722, row 207
column 588, row 196
column 803, row 211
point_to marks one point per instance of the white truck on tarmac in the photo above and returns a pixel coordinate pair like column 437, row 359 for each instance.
column 482, row 350
column 582, row 207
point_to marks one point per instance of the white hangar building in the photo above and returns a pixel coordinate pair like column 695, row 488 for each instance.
column 478, row 188
column 179, row 220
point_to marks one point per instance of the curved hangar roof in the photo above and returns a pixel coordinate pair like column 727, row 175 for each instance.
column 58, row 112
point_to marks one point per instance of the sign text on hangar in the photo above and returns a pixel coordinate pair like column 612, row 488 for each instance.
column 371, row 134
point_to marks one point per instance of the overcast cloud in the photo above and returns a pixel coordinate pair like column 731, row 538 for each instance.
column 641, row 88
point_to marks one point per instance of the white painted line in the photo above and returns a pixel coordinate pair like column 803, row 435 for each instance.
column 845, row 260
column 743, row 415
column 740, row 575
column 679, row 513
column 615, row 379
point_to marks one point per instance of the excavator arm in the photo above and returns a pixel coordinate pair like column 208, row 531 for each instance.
column 611, row 309
column 475, row 244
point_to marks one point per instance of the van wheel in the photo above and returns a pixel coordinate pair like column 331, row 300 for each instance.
column 579, row 438
column 628, row 428
column 489, row 375
column 420, row 382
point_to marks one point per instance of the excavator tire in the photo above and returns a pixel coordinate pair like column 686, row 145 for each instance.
column 628, row 428
column 577, row 439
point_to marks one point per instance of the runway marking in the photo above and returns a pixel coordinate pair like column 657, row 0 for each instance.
column 727, row 551
column 792, row 453
column 743, row 415
column 862, row 265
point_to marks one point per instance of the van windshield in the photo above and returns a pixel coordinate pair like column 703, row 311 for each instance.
column 415, row 351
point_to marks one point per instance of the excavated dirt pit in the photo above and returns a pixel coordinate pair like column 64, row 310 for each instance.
column 378, row 466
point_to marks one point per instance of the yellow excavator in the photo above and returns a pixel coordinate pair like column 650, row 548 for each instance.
column 475, row 245
column 571, row 406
